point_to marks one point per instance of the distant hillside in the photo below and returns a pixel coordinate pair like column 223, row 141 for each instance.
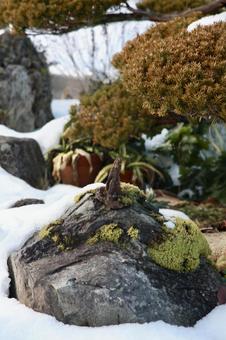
column 68, row 87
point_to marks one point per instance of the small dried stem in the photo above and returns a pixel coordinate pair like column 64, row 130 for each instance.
column 111, row 193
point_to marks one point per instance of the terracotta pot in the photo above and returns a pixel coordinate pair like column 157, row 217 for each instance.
column 127, row 176
column 79, row 169
column 87, row 170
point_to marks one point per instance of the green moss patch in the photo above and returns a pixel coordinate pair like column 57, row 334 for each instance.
column 108, row 232
column 62, row 242
column 181, row 248
column 133, row 233
column 130, row 194
column 48, row 231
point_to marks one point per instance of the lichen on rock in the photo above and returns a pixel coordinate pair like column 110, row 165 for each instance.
column 63, row 242
column 108, row 232
column 130, row 194
column 133, row 233
column 181, row 248
column 48, row 230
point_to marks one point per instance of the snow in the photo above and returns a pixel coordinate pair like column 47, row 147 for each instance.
column 88, row 51
column 171, row 215
column 154, row 143
column 170, row 224
column 174, row 172
column 206, row 21
column 61, row 107
column 47, row 137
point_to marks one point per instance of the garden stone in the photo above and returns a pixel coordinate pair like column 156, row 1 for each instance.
column 22, row 158
column 25, row 92
column 95, row 266
column 26, row 201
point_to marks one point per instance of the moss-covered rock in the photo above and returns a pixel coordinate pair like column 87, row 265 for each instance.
column 177, row 249
column 116, row 260
column 181, row 248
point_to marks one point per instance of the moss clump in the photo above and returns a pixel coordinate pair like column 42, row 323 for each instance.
column 130, row 194
column 62, row 242
column 181, row 248
column 48, row 231
column 133, row 233
column 108, row 232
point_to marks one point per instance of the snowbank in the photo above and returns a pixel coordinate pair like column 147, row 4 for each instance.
column 209, row 20
column 47, row 137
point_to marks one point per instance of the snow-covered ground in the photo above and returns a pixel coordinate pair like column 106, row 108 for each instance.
column 43, row 136
column 18, row 322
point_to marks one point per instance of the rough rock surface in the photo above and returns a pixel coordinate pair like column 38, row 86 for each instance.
column 91, row 268
column 25, row 93
column 26, row 201
column 22, row 158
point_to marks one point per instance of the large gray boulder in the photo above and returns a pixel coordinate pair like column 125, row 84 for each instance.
column 25, row 90
column 23, row 158
column 93, row 266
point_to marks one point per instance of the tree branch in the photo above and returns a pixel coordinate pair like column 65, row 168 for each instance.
column 135, row 14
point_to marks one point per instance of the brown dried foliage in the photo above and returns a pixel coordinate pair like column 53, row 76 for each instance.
column 52, row 14
column 172, row 70
column 110, row 117
column 168, row 6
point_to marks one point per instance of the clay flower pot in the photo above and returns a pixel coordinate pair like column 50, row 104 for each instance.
column 77, row 167
column 127, row 176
